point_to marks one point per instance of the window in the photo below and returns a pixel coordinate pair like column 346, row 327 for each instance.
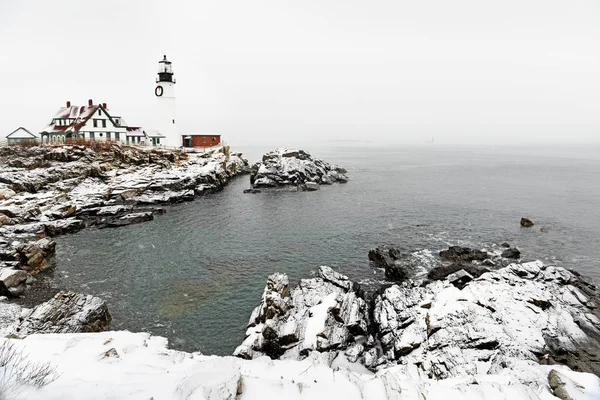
column 173, row 121
column 104, row 123
column 117, row 122
column 203, row 140
column 95, row 123
column 158, row 140
column 108, row 136
column 100, row 112
column 214, row 139
column 92, row 136
column 117, row 136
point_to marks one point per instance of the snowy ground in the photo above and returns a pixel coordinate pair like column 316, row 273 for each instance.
column 119, row 365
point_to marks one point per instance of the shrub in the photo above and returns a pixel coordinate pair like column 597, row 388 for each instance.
column 17, row 372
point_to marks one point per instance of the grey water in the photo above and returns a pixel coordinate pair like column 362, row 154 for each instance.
column 194, row 274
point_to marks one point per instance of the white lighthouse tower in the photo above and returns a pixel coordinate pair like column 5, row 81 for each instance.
column 165, row 98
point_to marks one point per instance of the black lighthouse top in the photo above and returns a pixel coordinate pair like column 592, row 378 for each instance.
column 165, row 71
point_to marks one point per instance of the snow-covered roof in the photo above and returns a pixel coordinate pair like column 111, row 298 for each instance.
column 135, row 131
column 80, row 115
column 203, row 134
column 153, row 133
column 21, row 133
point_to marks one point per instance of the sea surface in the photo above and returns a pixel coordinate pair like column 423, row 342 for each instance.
column 195, row 274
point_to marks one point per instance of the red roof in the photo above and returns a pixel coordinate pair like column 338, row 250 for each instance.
column 80, row 115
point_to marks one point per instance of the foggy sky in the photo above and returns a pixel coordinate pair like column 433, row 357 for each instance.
column 272, row 71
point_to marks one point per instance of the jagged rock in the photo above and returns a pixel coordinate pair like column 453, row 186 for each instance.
column 458, row 254
column 511, row 252
column 398, row 266
column 440, row 273
column 251, row 190
column 292, row 167
column 320, row 314
column 514, row 314
column 13, row 282
column 37, row 255
column 67, row 312
column 526, row 222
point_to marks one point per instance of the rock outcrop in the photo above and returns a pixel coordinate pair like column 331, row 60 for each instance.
column 295, row 168
column 67, row 312
column 520, row 316
column 321, row 314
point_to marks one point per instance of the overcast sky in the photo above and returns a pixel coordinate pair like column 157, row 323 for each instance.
column 273, row 71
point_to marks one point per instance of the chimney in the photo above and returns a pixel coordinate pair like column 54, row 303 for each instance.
column 68, row 104
column 104, row 105
column 90, row 102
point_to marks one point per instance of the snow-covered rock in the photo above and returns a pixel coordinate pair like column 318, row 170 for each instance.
column 523, row 314
column 51, row 191
column 13, row 282
column 293, row 167
column 321, row 314
column 66, row 312
column 119, row 365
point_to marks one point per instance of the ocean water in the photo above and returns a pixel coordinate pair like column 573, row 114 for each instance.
column 195, row 274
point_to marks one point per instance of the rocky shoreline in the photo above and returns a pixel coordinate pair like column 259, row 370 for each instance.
column 49, row 191
column 482, row 324
column 524, row 330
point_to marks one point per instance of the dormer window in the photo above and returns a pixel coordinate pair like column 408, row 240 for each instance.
column 117, row 122
column 99, row 112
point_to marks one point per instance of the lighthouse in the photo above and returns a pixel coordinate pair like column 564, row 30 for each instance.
column 165, row 98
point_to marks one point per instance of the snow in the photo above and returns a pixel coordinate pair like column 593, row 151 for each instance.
column 119, row 365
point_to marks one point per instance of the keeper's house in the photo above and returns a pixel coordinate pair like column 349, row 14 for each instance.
column 94, row 122
column 21, row 135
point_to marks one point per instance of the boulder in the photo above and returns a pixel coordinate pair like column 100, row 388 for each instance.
column 311, row 186
column 66, row 312
column 251, row 190
column 511, row 252
column 526, row 222
column 37, row 255
column 13, row 282
column 458, row 254
column 398, row 266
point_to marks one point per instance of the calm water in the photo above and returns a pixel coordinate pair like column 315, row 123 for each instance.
column 195, row 273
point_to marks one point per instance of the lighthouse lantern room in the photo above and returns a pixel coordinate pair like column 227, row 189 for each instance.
column 165, row 95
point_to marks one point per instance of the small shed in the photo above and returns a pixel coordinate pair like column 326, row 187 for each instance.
column 201, row 140
column 21, row 135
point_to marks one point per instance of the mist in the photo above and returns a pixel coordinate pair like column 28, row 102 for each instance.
column 268, row 72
